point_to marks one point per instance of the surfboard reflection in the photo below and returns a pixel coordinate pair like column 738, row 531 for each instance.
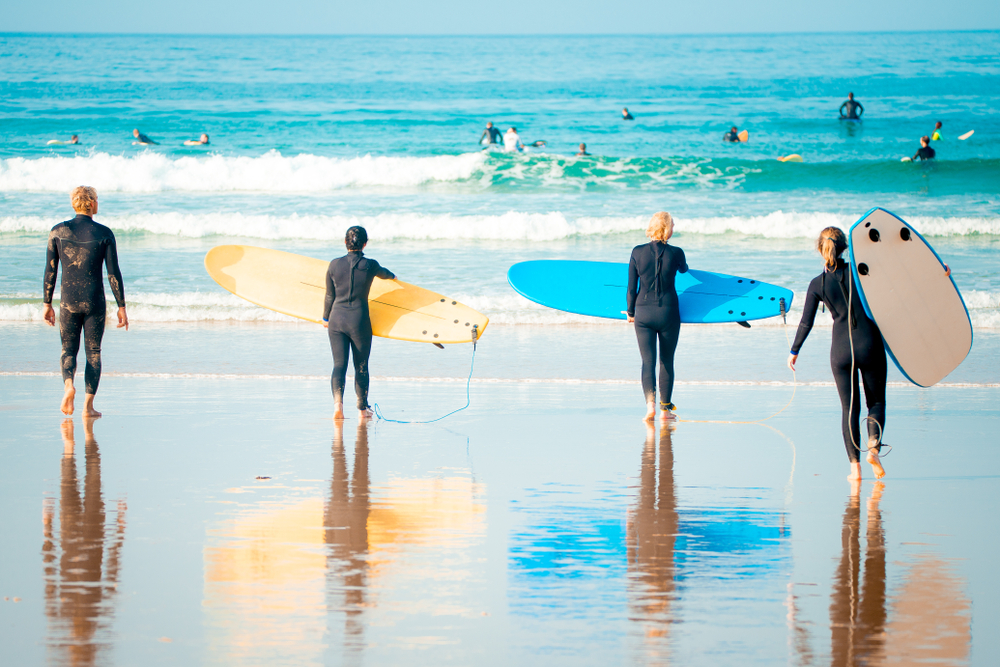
column 81, row 557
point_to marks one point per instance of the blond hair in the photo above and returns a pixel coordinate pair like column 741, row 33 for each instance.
column 661, row 226
column 84, row 199
column 831, row 244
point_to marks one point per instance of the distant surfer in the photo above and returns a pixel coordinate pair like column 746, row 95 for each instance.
column 82, row 245
column 936, row 134
column 142, row 139
column 75, row 139
column 852, row 107
column 200, row 141
column 583, row 151
column 491, row 134
column 654, row 309
column 511, row 141
column 732, row 135
column 851, row 325
column 925, row 152
column 345, row 314
column 626, row 115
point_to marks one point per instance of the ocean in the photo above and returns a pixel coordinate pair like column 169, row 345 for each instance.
column 310, row 135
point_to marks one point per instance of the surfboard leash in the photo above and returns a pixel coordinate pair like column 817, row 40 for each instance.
column 788, row 342
column 468, row 387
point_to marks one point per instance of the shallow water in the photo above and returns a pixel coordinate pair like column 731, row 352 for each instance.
column 568, row 535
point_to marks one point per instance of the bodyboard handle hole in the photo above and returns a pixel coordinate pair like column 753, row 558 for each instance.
column 904, row 233
column 873, row 235
column 863, row 269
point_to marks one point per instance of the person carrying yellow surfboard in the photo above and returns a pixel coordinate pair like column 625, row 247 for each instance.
column 345, row 314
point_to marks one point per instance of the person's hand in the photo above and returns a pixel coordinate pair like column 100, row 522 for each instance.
column 49, row 315
column 630, row 318
column 792, row 358
column 947, row 270
column 122, row 318
column 326, row 325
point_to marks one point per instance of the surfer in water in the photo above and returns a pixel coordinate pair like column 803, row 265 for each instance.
column 925, row 152
column 82, row 246
column 583, row 151
column 141, row 138
column 936, row 134
column 75, row 139
column 857, row 346
column 854, row 109
column 512, row 142
column 626, row 115
column 732, row 135
column 345, row 314
column 491, row 134
column 200, row 141
column 653, row 308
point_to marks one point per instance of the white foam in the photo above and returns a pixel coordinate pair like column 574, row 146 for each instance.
column 272, row 172
column 510, row 226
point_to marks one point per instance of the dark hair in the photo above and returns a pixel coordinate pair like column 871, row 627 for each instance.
column 356, row 238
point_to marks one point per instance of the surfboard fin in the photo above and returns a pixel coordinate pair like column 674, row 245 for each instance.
column 438, row 345
column 784, row 311
column 745, row 325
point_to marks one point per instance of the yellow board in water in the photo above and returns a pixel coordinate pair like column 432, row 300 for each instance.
column 744, row 136
column 296, row 285
column 794, row 157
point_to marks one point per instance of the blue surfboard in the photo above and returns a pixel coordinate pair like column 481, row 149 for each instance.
column 598, row 289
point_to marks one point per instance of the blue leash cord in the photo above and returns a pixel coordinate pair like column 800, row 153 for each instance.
column 468, row 398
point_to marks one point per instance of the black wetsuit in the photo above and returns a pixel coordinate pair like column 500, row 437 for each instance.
column 869, row 352
column 731, row 136
column 494, row 135
column 81, row 246
column 348, row 281
column 143, row 139
column 652, row 300
column 852, row 110
column 627, row 116
column 924, row 153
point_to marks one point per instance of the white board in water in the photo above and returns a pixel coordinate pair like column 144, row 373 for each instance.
column 904, row 288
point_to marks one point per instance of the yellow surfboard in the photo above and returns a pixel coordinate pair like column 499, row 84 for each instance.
column 296, row 285
column 794, row 157
column 744, row 136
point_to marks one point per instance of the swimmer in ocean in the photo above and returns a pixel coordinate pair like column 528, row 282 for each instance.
column 75, row 139
column 142, row 138
column 626, row 115
column 491, row 134
column 731, row 135
column 936, row 135
column 583, row 151
column 81, row 246
column 925, row 152
column 854, row 109
column 200, row 141
column 511, row 141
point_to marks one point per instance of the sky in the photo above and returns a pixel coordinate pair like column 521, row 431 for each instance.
column 506, row 17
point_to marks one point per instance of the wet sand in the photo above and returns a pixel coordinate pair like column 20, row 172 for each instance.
column 545, row 524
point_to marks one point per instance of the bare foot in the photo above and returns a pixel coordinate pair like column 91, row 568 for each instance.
column 68, row 397
column 855, row 475
column 338, row 410
column 650, row 412
column 876, row 464
column 88, row 408
column 365, row 415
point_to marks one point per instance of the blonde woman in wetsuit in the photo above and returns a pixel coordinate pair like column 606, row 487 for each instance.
column 835, row 287
column 653, row 308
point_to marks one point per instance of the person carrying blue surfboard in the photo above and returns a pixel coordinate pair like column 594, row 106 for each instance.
column 654, row 309
column 857, row 345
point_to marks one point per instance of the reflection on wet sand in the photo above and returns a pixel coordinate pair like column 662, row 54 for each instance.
column 857, row 607
column 81, row 558
column 346, row 532
column 650, row 536
column 279, row 573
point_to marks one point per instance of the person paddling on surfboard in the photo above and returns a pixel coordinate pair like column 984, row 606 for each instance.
column 200, row 141
column 583, row 151
column 857, row 346
column 75, row 139
column 654, row 309
column 345, row 314
column 626, row 115
column 732, row 135
column 854, row 109
column 141, row 138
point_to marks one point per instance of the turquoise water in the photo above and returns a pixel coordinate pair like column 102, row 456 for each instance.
column 310, row 135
